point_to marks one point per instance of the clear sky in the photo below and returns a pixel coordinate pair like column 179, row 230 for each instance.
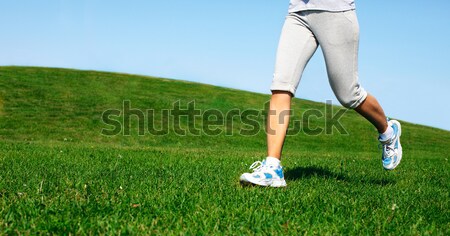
column 404, row 50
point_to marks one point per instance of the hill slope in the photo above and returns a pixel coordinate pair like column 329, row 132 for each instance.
column 61, row 174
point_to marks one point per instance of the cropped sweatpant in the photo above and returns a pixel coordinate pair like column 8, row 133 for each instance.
column 337, row 33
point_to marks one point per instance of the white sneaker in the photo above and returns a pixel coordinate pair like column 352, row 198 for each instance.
column 392, row 149
column 264, row 175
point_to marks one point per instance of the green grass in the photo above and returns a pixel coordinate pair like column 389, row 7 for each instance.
column 59, row 175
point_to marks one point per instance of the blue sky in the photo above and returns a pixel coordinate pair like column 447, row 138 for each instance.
column 404, row 51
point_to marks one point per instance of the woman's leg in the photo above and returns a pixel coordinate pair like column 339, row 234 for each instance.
column 372, row 111
column 278, row 122
column 338, row 35
column 296, row 47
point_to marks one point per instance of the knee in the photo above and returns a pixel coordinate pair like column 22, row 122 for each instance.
column 346, row 102
column 352, row 99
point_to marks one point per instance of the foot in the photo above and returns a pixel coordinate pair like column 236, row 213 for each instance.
column 264, row 175
column 392, row 149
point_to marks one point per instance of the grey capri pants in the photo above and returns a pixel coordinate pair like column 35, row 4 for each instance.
column 337, row 33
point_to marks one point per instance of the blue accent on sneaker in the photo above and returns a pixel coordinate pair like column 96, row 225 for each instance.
column 279, row 172
column 386, row 161
column 395, row 127
column 268, row 176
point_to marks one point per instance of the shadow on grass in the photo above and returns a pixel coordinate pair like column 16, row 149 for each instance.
column 312, row 171
column 320, row 172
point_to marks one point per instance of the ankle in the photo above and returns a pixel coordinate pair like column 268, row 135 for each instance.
column 387, row 134
column 272, row 161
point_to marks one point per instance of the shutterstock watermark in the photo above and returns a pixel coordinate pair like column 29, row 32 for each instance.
column 187, row 119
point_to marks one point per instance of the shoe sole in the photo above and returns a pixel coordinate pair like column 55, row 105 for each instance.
column 279, row 185
column 275, row 184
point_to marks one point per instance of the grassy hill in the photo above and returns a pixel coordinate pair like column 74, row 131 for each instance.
column 60, row 174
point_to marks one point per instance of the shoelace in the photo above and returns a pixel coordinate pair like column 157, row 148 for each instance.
column 257, row 166
column 390, row 151
column 389, row 147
